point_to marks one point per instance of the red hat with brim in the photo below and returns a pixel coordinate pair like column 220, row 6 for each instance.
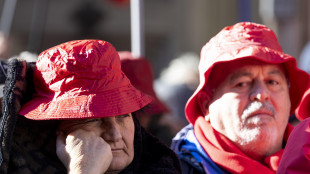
column 246, row 41
column 81, row 80
column 140, row 73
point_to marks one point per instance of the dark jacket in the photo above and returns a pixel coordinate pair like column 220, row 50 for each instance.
column 194, row 160
column 29, row 146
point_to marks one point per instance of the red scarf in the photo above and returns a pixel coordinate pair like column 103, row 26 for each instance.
column 224, row 153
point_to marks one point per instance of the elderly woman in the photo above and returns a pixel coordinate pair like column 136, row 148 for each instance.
column 81, row 117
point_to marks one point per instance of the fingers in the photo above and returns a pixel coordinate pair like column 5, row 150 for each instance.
column 83, row 151
column 61, row 152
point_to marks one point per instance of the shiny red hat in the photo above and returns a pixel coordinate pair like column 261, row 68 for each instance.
column 81, row 79
column 303, row 110
column 243, row 41
column 140, row 73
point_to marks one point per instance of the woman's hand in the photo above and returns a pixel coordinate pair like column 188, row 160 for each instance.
column 83, row 152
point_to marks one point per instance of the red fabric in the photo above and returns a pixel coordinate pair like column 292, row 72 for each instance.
column 120, row 2
column 296, row 156
column 81, row 79
column 140, row 73
column 224, row 153
column 246, row 40
column 303, row 110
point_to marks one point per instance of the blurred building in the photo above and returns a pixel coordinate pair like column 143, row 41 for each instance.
column 172, row 27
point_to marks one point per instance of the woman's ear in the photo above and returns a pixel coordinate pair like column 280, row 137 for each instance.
column 203, row 102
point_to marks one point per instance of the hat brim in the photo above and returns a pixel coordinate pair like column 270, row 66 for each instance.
column 156, row 107
column 140, row 73
column 114, row 102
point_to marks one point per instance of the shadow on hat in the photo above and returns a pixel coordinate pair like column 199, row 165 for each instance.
column 140, row 73
column 81, row 79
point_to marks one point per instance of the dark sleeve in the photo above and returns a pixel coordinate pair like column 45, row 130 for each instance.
column 188, row 168
column 157, row 157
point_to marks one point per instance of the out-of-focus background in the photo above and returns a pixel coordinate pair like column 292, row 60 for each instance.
column 174, row 31
column 172, row 27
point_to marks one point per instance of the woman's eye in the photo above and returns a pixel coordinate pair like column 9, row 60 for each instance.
column 92, row 120
column 124, row 116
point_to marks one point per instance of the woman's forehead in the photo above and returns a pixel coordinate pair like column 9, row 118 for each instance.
column 85, row 120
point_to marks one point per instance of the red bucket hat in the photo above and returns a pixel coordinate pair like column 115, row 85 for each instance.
column 81, row 79
column 140, row 73
column 303, row 110
column 242, row 41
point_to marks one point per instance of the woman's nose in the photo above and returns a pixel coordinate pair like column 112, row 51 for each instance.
column 111, row 131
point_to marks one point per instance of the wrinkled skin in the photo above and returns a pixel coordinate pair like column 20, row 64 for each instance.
column 92, row 146
column 251, row 108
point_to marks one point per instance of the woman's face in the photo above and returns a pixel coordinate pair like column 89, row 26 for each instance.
column 117, row 131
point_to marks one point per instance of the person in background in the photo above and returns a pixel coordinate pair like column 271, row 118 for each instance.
column 79, row 118
column 4, row 46
column 304, row 64
column 304, row 60
column 296, row 155
column 175, row 85
column 239, row 113
column 140, row 73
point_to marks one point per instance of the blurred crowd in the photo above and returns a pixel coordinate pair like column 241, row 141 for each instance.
column 198, row 116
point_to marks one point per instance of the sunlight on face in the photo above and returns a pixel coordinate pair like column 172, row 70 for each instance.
column 251, row 107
